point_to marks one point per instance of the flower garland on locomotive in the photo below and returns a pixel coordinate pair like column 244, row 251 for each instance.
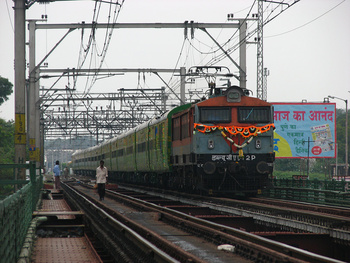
column 246, row 132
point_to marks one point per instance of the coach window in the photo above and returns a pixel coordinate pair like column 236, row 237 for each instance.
column 129, row 150
column 120, row 152
column 160, row 140
column 151, row 144
column 141, row 147
column 184, row 126
column 176, row 129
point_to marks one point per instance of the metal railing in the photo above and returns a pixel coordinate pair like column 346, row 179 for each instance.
column 16, row 210
column 312, row 191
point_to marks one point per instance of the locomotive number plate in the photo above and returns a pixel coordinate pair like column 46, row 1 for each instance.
column 231, row 157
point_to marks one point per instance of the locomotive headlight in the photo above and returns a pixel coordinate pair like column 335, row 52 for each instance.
column 258, row 144
column 233, row 96
column 211, row 144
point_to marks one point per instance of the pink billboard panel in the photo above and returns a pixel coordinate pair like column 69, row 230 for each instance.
column 305, row 130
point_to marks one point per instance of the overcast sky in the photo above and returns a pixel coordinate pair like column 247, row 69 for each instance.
column 306, row 48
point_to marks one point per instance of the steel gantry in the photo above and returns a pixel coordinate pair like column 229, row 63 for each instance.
column 76, row 115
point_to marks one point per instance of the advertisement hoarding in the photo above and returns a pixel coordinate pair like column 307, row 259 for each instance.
column 305, row 130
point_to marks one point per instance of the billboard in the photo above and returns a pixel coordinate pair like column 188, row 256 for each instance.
column 305, row 130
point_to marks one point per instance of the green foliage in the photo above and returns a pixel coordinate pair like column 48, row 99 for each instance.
column 7, row 154
column 287, row 164
column 290, row 174
column 340, row 126
column 7, row 149
column 6, row 190
column 5, row 89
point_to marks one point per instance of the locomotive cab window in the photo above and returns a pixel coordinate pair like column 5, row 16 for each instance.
column 254, row 114
column 215, row 115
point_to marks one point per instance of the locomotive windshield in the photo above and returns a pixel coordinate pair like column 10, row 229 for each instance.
column 215, row 115
column 253, row 114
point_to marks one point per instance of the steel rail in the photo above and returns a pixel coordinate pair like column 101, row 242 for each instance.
column 247, row 240
column 150, row 249
column 285, row 219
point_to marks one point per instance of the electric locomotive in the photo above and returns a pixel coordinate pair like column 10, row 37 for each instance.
column 224, row 144
column 219, row 145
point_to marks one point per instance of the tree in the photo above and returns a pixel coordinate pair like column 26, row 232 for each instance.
column 5, row 89
column 7, row 131
column 7, row 154
column 341, row 134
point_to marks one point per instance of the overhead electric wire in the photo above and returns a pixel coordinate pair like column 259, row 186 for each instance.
column 249, row 35
column 202, row 52
column 225, row 43
column 217, row 59
column 8, row 12
column 90, row 49
column 102, row 53
column 106, row 33
column 88, row 77
column 311, row 21
column 83, row 52
column 92, row 38
column 178, row 59
column 106, row 43
column 176, row 84
column 211, row 62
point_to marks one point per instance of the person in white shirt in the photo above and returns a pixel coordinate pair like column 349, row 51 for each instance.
column 57, row 173
column 101, row 179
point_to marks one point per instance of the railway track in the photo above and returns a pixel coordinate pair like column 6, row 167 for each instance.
column 121, row 243
column 287, row 215
column 294, row 216
column 325, row 209
column 280, row 222
column 194, row 230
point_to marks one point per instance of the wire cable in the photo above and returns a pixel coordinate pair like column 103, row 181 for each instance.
column 311, row 21
column 106, row 44
column 9, row 14
column 213, row 61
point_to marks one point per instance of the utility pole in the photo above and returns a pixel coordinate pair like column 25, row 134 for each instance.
column 266, row 73
column 33, row 116
column 260, row 89
column 20, row 89
column 182, row 85
column 260, row 54
column 163, row 98
column 243, row 53
column 346, row 133
column 346, row 139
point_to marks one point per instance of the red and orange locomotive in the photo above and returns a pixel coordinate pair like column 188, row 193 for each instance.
column 224, row 144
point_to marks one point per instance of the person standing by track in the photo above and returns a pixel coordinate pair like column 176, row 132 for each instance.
column 57, row 172
column 101, row 179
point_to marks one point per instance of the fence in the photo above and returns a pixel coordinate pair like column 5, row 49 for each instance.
column 16, row 211
column 314, row 191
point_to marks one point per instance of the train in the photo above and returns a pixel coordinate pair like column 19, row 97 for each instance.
column 220, row 145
